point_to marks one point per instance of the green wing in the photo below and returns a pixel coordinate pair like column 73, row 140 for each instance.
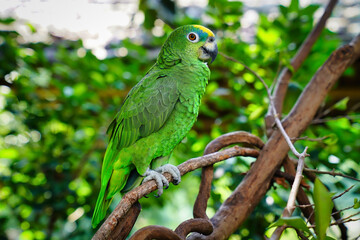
column 145, row 110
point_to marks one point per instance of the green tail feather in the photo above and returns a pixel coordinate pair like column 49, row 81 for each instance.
column 102, row 204
column 103, row 201
column 112, row 181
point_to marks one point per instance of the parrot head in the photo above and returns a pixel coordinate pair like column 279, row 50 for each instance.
column 189, row 43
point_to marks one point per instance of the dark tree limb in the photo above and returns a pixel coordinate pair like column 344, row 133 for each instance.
column 198, row 225
column 155, row 232
column 202, row 226
column 124, row 227
column 199, row 210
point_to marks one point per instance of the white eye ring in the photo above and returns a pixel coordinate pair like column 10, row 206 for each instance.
column 191, row 38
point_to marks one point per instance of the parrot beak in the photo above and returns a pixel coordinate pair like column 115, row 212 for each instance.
column 209, row 50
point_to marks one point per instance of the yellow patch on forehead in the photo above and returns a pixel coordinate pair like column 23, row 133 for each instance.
column 204, row 29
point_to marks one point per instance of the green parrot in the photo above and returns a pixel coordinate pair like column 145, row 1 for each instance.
column 156, row 115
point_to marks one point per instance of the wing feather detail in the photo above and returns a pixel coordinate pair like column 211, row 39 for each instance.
column 145, row 110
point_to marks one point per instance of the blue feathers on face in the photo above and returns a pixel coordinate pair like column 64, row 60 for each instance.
column 202, row 33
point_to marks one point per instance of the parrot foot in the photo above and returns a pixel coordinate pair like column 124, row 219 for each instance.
column 173, row 170
column 160, row 180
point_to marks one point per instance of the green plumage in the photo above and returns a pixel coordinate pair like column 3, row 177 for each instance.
column 156, row 115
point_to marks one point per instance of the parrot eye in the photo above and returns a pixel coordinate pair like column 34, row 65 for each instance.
column 193, row 37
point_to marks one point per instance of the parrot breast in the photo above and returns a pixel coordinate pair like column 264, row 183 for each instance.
column 191, row 84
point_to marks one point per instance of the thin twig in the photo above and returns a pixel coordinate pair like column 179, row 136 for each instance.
column 346, row 190
column 305, row 205
column 301, row 197
column 275, row 114
column 273, row 84
column 309, row 205
column 337, row 222
column 332, row 173
column 295, row 187
column 348, row 220
column 323, row 120
column 348, row 217
column 300, row 234
column 304, row 50
column 306, row 138
column 333, row 198
column 341, row 210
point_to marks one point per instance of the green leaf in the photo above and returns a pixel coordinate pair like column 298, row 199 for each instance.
column 295, row 222
column 294, row 6
column 7, row 21
column 329, row 238
column 309, row 10
column 341, row 105
column 10, row 153
column 31, row 27
column 283, row 10
column 256, row 113
column 356, row 203
column 323, row 207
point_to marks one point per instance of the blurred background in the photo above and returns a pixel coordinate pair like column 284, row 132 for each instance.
column 66, row 66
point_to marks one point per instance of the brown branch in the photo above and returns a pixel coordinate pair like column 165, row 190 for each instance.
column 323, row 120
column 107, row 228
column 301, row 196
column 348, row 220
column 271, row 106
column 202, row 226
column 337, row 216
column 290, row 206
column 340, row 195
column 333, row 198
column 335, row 213
column 348, row 217
column 200, row 205
column 235, row 210
column 300, row 234
column 341, row 210
column 344, row 221
column 155, row 232
column 332, row 173
column 198, row 225
column 199, row 210
column 298, row 176
column 284, row 78
column 306, row 138
column 124, row 227
column 294, row 190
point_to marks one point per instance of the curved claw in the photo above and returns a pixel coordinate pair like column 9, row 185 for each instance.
column 173, row 170
column 160, row 180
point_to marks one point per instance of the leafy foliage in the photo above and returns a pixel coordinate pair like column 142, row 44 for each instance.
column 57, row 99
column 323, row 208
column 295, row 222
